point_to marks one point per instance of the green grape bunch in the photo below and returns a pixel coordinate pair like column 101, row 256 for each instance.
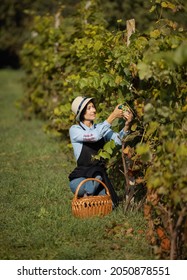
column 123, row 107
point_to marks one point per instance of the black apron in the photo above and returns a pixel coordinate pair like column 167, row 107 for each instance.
column 89, row 167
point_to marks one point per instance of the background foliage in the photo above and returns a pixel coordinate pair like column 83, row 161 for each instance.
column 16, row 17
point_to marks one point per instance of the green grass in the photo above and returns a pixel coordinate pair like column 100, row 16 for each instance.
column 35, row 202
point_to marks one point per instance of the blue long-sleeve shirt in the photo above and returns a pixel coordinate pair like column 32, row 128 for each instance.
column 93, row 134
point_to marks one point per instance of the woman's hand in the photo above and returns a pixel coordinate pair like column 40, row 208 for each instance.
column 117, row 113
column 128, row 116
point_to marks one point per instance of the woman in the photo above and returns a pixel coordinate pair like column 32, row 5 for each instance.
column 87, row 139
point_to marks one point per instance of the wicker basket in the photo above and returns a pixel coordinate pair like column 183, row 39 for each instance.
column 89, row 206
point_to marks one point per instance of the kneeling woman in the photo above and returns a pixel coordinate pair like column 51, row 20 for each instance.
column 87, row 139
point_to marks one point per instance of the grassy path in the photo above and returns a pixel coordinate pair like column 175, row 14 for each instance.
column 35, row 202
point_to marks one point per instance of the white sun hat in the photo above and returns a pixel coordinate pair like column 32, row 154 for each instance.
column 78, row 105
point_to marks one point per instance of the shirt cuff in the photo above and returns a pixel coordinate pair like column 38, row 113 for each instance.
column 124, row 133
column 127, row 132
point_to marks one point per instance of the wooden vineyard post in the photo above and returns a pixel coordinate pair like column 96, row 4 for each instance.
column 130, row 29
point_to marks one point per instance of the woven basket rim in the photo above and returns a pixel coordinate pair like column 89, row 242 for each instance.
column 92, row 197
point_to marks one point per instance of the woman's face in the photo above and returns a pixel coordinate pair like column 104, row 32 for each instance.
column 90, row 113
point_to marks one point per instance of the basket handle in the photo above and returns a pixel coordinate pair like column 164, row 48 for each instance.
column 90, row 179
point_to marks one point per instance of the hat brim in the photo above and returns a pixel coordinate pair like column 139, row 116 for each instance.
column 83, row 106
